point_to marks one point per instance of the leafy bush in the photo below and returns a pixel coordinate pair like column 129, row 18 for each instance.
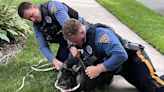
column 11, row 26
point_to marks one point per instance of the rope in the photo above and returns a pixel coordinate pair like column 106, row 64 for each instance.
column 66, row 90
column 38, row 69
column 40, row 66
column 35, row 68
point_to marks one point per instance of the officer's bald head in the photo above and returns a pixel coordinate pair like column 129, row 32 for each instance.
column 22, row 7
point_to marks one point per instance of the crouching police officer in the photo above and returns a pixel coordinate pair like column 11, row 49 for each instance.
column 48, row 20
column 121, row 57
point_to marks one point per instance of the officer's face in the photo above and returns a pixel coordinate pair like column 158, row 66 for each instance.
column 77, row 39
column 33, row 14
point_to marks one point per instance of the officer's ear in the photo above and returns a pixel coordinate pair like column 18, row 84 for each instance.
column 82, row 30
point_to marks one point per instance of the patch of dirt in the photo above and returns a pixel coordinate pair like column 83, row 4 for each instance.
column 8, row 50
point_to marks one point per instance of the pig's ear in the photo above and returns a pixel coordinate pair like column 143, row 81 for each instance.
column 76, row 68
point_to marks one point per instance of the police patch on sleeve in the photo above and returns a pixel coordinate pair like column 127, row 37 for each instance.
column 53, row 9
column 104, row 38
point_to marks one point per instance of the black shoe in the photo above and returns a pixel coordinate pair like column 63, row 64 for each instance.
column 160, row 87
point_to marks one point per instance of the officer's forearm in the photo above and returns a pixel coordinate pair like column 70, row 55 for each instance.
column 115, row 61
column 101, row 68
column 47, row 53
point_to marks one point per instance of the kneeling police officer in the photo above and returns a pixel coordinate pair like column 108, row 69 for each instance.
column 119, row 56
column 48, row 20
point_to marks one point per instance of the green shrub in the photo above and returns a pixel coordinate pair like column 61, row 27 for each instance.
column 11, row 26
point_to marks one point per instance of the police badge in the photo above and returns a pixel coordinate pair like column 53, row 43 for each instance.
column 48, row 19
column 89, row 49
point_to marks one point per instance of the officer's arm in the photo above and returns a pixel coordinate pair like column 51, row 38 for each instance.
column 43, row 45
column 59, row 12
column 112, row 47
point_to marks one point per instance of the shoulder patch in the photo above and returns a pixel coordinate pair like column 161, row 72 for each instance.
column 53, row 9
column 104, row 38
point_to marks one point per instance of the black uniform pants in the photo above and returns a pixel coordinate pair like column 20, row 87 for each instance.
column 139, row 71
column 63, row 52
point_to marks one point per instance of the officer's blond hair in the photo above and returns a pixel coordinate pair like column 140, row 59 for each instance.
column 71, row 27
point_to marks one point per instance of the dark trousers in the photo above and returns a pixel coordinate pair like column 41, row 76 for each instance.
column 63, row 53
column 139, row 71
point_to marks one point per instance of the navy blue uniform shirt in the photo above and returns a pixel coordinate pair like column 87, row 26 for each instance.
column 108, row 43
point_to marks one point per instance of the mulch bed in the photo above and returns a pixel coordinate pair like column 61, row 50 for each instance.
column 8, row 50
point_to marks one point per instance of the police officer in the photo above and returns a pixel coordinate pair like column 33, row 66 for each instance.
column 48, row 20
column 129, row 61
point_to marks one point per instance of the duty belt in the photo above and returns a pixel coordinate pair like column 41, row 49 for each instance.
column 132, row 46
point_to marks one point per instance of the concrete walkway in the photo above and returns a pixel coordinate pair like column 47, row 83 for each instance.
column 156, row 5
column 95, row 13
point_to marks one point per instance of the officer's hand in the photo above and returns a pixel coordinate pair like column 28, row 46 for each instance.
column 57, row 64
column 74, row 52
column 94, row 71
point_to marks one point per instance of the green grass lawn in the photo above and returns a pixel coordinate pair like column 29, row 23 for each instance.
column 11, row 74
column 145, row 22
